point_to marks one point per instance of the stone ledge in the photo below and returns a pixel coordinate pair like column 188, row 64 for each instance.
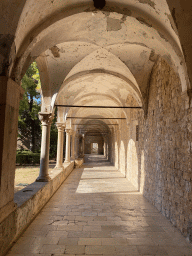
column 6, row 210
column 30, row 201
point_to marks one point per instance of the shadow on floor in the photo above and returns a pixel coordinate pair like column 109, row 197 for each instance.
column 97, row 211
column 99, row 160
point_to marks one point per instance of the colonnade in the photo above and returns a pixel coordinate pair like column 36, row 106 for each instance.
column 72, row 150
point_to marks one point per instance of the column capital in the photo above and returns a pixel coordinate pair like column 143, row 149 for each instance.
column 60, row 126
column 68, row 130
column 46, row 118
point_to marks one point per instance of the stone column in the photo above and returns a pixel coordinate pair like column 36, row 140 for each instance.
column 76, row 145
column 60, row 127
column 73, row 146
column 117, row 150
column 83, row 144
column 46, row 120
column 105, row 147
column 10, row 96
column 68, row 142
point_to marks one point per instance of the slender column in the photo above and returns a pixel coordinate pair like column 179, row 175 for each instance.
column 76, row 145
column 46, row 119
column 73, row 146
column 105, row 146
column 68, row 142
column 64, row 144
column 83, row 144
column 60, row 128
column 104, row 149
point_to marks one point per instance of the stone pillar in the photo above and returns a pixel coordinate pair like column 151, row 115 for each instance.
column 60, row 127
column 46, row 120
column 10, row 96
column 68, row 144
column 116, row 140
column 105, row 145
column 83, row 144
column 76, row 145
column 73, row 146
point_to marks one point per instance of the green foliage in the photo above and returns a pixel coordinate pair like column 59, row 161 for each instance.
column 27, row 157
column 29, row 124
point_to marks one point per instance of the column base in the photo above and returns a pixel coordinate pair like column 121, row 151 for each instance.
column 67, row 162
column 43, row 179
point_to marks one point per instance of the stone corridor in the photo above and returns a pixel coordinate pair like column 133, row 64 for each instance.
column 97, row 211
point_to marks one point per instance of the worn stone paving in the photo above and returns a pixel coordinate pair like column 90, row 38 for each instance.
column 97, row 211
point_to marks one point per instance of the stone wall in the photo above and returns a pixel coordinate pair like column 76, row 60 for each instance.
column 29, row 204
column 123, row 134
column 132, row 150
column 128, row 146
column 165, row 148
column 10, row 94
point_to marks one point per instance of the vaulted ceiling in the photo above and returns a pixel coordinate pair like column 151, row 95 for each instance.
column 91, row 56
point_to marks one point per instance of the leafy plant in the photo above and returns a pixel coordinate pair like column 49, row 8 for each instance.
column 27, row 157
column 29, row 124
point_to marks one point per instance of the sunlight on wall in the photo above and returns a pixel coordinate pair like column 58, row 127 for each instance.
column 122, row 157
column 116, row 153
column 132, row 163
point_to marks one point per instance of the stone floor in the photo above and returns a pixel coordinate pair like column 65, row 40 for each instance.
column 98, row 212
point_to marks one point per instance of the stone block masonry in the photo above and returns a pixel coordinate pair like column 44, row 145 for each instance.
column 166, row 145
column 29, row 202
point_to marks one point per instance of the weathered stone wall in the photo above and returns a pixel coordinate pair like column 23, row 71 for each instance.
column 165, row 148
column 10, row 93
column 128, row 146
column 28, row 206
column 123, row 146
column 132, row 150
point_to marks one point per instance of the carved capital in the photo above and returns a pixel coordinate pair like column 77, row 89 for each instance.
column 68, row 131
column 60, row 127
column 46, row 118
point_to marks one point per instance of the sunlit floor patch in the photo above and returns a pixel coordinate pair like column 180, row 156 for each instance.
column 103, row 181
column 97, row 211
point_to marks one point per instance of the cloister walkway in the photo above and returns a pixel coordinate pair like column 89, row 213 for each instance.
column 97, row 211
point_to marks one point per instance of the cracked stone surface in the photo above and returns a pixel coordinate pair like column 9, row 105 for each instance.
column 97, row 211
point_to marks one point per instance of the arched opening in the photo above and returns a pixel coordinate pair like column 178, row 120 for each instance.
column 108, row 71
column 94, row 148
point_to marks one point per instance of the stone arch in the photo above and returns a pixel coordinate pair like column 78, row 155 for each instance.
column 161, row 24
